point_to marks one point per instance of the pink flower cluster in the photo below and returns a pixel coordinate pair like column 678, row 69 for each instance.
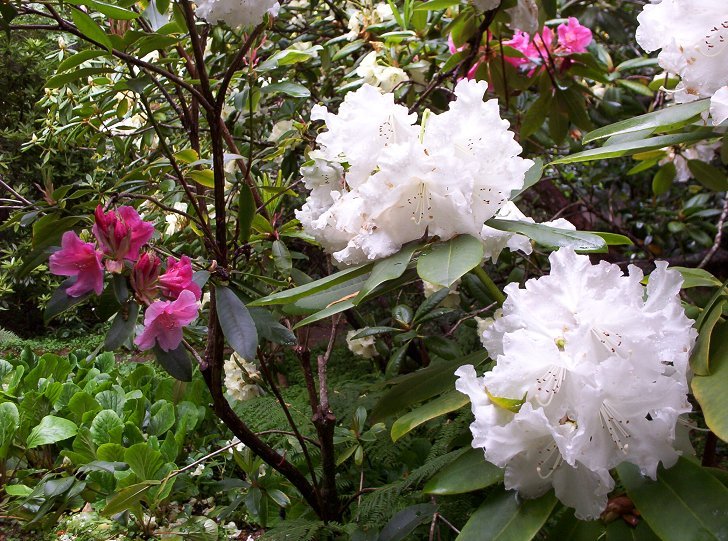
column 572, row 38
column 121, row 234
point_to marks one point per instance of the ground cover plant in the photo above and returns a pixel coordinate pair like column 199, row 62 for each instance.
column 377, row 271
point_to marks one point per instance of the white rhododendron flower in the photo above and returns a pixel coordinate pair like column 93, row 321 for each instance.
column 240, row 378
column 719, row 106
column 379, row 180
column 359, row 20
column 235, row 13
column 704, row 152
column 591, row 371
column 362, row 347
column 386, row 78
column 696, row 48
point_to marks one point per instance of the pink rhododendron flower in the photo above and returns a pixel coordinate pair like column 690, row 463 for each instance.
column 521, row 42
column 178, row 278
column 82, row 260
column 573, row 37
column 121, row 234
column 164, row 320
column 145, row 277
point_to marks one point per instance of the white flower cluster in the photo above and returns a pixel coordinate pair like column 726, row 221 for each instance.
column 378, row 180
column 386, row 78
column 361, row 347
column 704, row 152
column 240, row 378
column 360, row 19
column 590, row 372
column 693, row 38
column 235, row 13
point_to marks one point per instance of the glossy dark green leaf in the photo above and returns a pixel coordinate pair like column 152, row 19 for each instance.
column 570, row 528
column 421, row 385
column 89, row 28
column 467, row 473
column 51, row 429
column 127, row 497
column 506, row 517
column 288, row 88
column 709, row 176
column 662, row 181
column 122, row 328
column 621, row 531
column 666, row 119
column 440, row 406
column 402, row 524
column 551, row 237
column 177, row 362
column 60, row 301
column 237, row 325
column 685, row 502
column 385, row 270
column 710, row 391
column 450, row 260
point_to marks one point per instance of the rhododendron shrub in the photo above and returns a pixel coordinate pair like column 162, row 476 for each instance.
column 397, row 255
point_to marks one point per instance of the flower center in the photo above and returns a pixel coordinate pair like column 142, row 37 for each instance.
column 549, row 384
column 616, row 425
column 549, row 460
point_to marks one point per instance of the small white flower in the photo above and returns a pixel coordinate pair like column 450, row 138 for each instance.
column 280, row 128
column 235, row 13
column 362, row 347
column 175, row 222
column 240, row 378
column 680, row 157
column 591, row 371
column 198, row 470
column 386, row 78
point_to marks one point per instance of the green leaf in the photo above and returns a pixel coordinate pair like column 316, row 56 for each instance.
column 666, row 119
column 162, row 417
column 533, row 175
column 122, row 328
column 281, row 257
column 435, row 5
column 506, row 517
column 90, row 29
column 112, row 11
column 57, row 81
column 107, row 427
column 348, row 49
column 385, row 270
column 237, row 325
column 60, row 301
column 203, row 177
column 9, row 424
column 306, row 290
column 709, row 176
column 509, row 404
column 551, row 237
column 127, row 498
column 440, row 406
column 78, row 59
column 632, row 147
column 449, row 261
column 421, row 385
column 710, row 391
column 144, row 461
column 20, row 491
column 662, row 181
column 536, row 115
column 177, row 362
column 697, row 277
column 569, row 528
column 51, row 430
column 403, row 523
column 288, row 88
column 702, row 354
column 467, row 473
column 621, row 531
column 686, row 501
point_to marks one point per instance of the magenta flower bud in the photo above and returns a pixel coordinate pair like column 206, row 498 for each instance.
column 178, row 278
column 145, row 277
column 82, row 260
column 121, row 234
column 164, row 320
